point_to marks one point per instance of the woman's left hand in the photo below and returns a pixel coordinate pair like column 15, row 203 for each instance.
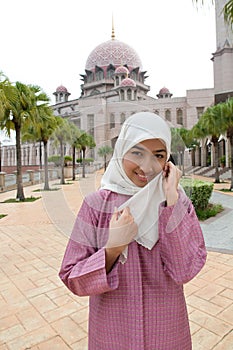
column 171, row 177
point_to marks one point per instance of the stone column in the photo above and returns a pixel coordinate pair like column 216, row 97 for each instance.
column 2, row 180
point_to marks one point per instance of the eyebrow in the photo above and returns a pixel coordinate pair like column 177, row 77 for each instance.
column 144, row 149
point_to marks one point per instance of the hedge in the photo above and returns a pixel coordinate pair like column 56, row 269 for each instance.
column 198, row 191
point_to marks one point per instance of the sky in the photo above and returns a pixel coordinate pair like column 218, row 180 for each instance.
column 47, row 42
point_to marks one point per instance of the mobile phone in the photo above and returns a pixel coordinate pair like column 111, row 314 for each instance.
column 171, row 159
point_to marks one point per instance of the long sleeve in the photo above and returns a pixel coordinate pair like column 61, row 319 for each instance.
column 181, row 241
column 83, row 266
column 83, row 271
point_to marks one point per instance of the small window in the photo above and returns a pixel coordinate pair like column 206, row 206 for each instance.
column 90, row 124
column 179, row 116
column 168, row 115
column 200, row 111
column 112, row 121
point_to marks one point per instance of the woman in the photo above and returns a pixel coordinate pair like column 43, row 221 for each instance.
column 133, row 261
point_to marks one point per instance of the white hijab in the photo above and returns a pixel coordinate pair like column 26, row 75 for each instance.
column 144, row 203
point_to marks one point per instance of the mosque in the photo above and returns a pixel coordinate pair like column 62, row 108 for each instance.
column 114, row 87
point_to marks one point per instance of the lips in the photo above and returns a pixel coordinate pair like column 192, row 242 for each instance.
column 142, row 177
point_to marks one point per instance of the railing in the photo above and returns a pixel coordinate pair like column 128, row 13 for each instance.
column 33, row 177
column 30, row 177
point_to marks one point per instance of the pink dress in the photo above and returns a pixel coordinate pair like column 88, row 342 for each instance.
column 138, row 305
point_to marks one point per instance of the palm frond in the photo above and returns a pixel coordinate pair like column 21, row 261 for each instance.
column 228, row 12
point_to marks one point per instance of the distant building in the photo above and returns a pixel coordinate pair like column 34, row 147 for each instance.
column 114, row 87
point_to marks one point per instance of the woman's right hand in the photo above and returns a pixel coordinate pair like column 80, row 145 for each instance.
column 122, row 230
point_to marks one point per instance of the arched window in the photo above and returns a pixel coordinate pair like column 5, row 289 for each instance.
column 110, row 73
column 89, row 77
column 122, row 95
column 129, row 94
column 168, row 114
column 117, row 81
column 200, row 111
column 179, row 116
column 133, row 75
column 90, row 124
column 94, row 92
column 99, row 75
column 112, row 121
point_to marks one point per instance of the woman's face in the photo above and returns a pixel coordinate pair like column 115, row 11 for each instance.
column 144, row 161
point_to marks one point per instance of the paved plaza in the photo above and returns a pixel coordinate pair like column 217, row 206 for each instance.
column 38, row 312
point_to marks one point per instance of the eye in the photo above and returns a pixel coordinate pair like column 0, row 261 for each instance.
column 137, row 153
column 159, row 156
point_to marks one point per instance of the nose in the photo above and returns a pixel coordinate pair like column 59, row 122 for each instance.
column 150, row 165
column 147, row 165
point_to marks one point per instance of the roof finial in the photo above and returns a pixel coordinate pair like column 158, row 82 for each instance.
column 113, row 31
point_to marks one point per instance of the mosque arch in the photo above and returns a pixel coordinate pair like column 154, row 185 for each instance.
column 168, row 114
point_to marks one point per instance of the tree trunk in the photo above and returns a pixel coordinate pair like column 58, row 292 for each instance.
column 46, row 171
column 19, row 180
column 231, row 161
column 105, row 162
column 83, row 161
column 40, row 155
column 182, row 162
column 215, row 144
column 62, row 163
column 73, row 163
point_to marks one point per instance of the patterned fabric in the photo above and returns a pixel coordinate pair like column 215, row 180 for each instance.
column 139, row 305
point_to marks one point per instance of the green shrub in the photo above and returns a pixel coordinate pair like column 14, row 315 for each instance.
column 209, row 212
column 198, row 191
column 67, row 160
column 87, row 160
column 55, row 159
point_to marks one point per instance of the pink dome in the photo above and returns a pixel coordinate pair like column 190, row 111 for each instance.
column 128, row 82
column 61, row 88
column 122, row 70
column 113, row 52
column 164, row 90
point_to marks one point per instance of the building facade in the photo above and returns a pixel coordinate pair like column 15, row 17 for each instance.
column 114, row 87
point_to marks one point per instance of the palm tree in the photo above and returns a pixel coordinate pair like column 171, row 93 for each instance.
column 211, row 123
column 20, row 107
column 85, row 141
column 227, row 10
column 103, row 152
column 75, row 134
column 181, row 139
column 227, row 111
column 42, row 132
column 61, row 135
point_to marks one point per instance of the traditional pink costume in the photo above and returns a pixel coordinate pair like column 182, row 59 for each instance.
column 139, row 304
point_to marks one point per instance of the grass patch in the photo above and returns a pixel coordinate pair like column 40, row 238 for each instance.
column 66, row 183
column 51, row 189
column 225, row 190
column 2, row 215
column 210, row 211
column 15, row 200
